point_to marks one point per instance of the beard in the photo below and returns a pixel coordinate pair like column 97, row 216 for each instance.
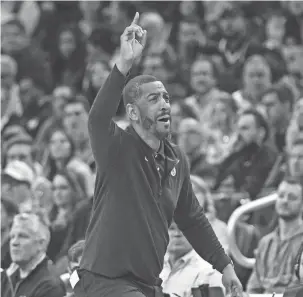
column 150, row 125
column 288, row 217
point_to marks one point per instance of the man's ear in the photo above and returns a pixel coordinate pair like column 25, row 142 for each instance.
column 132, row 112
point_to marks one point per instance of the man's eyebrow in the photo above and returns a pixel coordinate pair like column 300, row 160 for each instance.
column 157, row 93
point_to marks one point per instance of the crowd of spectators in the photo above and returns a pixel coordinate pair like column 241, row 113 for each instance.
column 234, row 72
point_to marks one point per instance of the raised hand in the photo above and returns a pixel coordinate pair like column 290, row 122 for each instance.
column 132, row 41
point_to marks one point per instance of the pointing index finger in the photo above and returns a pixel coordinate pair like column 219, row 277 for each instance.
column 136, row 18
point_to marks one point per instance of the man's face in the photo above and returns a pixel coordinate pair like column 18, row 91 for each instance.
column 188, row 32
column 294, row 59
column 21, row 152
column 7, row 76
column 75, row 120
column 13, row 39
column 178, row 244
column 289, row 203
column 154, row 65
column 19, row 192
column 275, row 110
column 295, row 160
column 67, row 43
column 256, row 76
column 232, row 25
column 247, row 129
column 202, row 76
column 154, row 109
column 275, row 28
column 24, row 243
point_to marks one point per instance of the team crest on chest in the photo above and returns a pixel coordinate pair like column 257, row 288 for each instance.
column 173, row 172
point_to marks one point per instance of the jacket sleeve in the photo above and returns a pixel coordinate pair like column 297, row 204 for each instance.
column 50, row 289
column 100, row 124
column 191, row 220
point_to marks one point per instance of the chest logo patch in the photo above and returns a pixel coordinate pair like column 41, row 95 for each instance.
column 173, row 172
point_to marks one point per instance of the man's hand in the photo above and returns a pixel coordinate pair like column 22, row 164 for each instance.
column 132, row 41
column 231, row 282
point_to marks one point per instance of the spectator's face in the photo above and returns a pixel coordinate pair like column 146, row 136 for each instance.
column 62, row 191
column 60, row 147
column 67, row 43
column 13, row 39
column 75, row 119
column 18, row 192
column 21, row 152
column 289, row 203
column 295, row 7
column 178, row 244
column 154, row 65
column 275, row 110
column 247, row 129
column 7, row 76
column 188, row 8
column 295, row 160
column 256, row 77
column 188, row 32
column 275, row 28
column 25, row 244
column 232, row 25
column 202, row 77
column 154, row 109
column 190, row 141
column 221, row 114
column 294, row 60
column 99, row 74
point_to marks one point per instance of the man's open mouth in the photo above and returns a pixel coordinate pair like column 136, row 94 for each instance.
column 164, row 119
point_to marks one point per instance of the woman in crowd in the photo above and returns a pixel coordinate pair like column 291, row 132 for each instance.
column 62, row 155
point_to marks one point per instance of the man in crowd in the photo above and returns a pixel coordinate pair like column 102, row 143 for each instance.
column 30, row 273
column 184, row 269
column 277, row 251
column 251, row 159
column 127, row 237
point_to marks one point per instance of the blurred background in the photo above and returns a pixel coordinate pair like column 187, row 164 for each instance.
column 234, row 71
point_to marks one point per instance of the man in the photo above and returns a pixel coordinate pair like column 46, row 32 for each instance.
column 278, row 102
column 251, row 159
column 30, row 273
column 277, row 251
column 143, row 183
column 184, row 270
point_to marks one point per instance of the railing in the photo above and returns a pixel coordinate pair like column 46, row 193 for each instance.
column 234, row 219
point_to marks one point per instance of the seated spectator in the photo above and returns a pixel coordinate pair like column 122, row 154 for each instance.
column 32, row 63
column 195, row 141
column 257, row 77
column 75, row 123
column 17, row 179
column 278, row 103
column 67, row 193
column 62, row 156
column 277, row 251
column 8, row 210
column 203, row 195
column 251, row 158
column 30, row 273
column 184, row 269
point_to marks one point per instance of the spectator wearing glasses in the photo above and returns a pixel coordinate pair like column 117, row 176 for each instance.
column 30, row 273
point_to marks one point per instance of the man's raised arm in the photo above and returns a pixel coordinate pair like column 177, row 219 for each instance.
column 100, row 124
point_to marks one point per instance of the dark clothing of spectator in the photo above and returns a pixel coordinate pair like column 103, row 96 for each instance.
column 144, row 202
column 5, row 253
column 249, row 168
column 40, row 282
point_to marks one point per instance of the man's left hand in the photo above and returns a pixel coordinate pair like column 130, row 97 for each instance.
column 231, row 282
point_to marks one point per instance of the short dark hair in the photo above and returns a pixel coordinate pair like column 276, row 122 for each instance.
column 78, row 99
column 132, row 91
column 294, row 181
column 75, row 251
column 259, row 119
column 284, row 94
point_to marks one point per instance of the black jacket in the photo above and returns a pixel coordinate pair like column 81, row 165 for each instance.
column 133, row 208
column 40, row 282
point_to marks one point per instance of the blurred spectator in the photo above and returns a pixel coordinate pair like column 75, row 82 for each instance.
column 184, row 269
column 17, row 179
column 278, row 102
column 68, row 63
column 203, row 195
column 30, row 273
column 32, row 63
column 257, row 77
column 8, row 210
column 277, row 251
column 251, row 158
column 62, row 156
